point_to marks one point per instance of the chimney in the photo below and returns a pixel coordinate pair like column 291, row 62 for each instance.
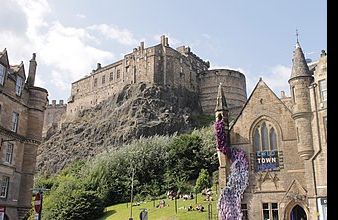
column 53, row 102
column 282, row 94
column 61, row 102
column 166, row 42
column 323, row 53
column 163, row 40
column 142, row 45
column 98, row 66
column 32, row 71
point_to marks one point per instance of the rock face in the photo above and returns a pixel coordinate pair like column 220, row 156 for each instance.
column 138, row 110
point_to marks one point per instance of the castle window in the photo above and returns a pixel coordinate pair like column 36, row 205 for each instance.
column 181, row 70
column 264, row 137
column 270, row 211
column 19, row 85
column 95, row 82
column 244, row 209
column 2, row 74
column 323, row 90
column 111, row 76
column 15, row 121
column 9, row 152
column 181, row 60
column 4, row 187
column 118, row 74
column 293, row 94
column 103, row 79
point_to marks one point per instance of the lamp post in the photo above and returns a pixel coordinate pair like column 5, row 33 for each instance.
column 131, row 192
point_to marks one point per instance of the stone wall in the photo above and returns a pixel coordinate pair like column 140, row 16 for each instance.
column 54, row 115
column 234, row 87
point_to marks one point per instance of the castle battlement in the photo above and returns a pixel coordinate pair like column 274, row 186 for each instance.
column 155, row 65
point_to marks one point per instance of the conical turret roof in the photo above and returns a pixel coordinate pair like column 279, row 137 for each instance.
column 221, row 101
column 299, row 67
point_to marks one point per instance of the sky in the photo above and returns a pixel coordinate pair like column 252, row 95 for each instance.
column 70, row 37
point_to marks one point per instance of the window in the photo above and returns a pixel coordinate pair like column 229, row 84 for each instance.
column 2, row 74
column 323, row 90
column 265, row 137
column 293, row 94
column 4, row 187
column 95, row 82
column 111, row 76
column 118, row 74
column 9, row 153
column 15, row 121
column 270, row 211
column 19, row 85
column 103, row 80
column 244, row 209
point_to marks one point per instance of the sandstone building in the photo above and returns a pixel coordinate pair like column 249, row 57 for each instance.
column 22, row 107
column 286, row 141
column 159, row 65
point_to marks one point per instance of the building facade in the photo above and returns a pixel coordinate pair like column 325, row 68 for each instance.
column 22, row 107
column 158, row 65
column 285, row 140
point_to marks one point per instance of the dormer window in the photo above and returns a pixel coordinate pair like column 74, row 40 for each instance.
column 2, row 74
column 19, row 85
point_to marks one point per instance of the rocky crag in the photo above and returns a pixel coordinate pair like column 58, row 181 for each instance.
column 138, row 110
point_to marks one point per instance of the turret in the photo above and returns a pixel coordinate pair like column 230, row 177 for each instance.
column 300, row 81
column 222, row 113
column 32, row 71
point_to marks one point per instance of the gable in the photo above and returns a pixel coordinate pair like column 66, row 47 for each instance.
column 4, row 58
column 262, row 104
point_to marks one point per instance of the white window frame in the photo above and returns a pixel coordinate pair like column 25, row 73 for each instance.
column 2, row 74
column 4, row 186
column 323, row 90
column 9, row 153
column 15, row 121
column 18, row 85
column 270, row 210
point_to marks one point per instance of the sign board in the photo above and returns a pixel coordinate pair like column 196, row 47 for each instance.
column 38, row 202
column 266, row 161
column 323, row 201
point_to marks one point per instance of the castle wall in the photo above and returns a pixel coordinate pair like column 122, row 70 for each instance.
column 234, row 87
column 53, row 116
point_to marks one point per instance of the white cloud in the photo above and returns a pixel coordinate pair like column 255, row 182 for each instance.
column 64, row 53
column 82, row 16
column 123, row 36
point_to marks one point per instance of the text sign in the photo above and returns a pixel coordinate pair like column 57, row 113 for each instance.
column 266, row 161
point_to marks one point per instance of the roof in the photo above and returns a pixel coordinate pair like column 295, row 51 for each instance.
column 299, row 67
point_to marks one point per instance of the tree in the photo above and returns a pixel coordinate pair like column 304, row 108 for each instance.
column 202, row 181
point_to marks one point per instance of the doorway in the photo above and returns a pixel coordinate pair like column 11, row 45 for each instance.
column 298, row 213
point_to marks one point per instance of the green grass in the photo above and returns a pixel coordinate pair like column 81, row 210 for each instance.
column 122, row 212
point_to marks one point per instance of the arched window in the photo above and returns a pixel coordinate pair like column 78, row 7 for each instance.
column 265, row 137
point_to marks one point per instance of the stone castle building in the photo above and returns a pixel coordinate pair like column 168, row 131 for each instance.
column 22, row 107
column 159, row 65
column 54, row 116
column 286, row 142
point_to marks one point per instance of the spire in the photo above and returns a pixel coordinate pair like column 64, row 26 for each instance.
column 221, row 102
column 299, row 66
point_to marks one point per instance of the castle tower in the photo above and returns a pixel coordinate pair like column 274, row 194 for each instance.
column 222, row 113
column 300, row 81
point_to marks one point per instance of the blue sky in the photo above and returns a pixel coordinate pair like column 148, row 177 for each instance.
column 71, row 36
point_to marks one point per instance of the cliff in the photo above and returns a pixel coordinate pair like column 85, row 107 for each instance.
column 137, row 110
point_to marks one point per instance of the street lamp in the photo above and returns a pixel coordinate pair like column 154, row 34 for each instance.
column 131, row 192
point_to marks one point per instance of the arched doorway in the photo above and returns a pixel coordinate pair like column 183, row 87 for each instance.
column 298, row 213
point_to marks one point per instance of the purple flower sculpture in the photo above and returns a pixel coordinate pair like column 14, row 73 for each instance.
column 229, row 203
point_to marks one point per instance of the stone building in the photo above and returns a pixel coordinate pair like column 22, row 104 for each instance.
column 22, row 107
column 158, row 65
column 54, row 116
column 285, row 140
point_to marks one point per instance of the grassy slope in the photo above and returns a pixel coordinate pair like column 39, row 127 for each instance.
column 122, row 212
